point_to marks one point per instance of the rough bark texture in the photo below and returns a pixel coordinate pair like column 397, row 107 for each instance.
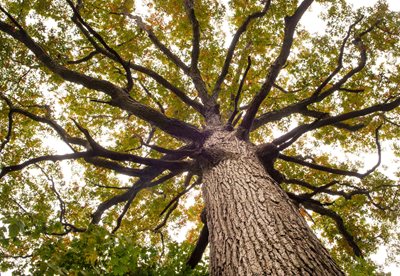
column 254, row 227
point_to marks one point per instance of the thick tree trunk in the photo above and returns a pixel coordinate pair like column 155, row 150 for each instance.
column 254, row 227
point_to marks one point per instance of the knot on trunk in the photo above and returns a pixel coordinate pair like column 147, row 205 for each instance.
column 267, row 154
column 267, row 151
column 222, row 145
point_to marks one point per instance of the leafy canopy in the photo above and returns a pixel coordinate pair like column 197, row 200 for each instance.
column 105, row 105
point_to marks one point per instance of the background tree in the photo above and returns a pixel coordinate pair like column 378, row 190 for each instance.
column 149, row 109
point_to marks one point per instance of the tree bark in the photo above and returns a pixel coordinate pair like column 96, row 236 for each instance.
column 254, row 227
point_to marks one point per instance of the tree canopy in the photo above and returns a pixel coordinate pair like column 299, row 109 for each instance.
column 105, row 106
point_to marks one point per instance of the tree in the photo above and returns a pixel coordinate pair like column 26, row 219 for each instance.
column 156, row 107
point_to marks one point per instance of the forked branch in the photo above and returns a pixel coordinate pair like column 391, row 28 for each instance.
column 335, row 170
column 53, row 158
column 105, row 45
column 119, row 96
column 320, row 94
column 148, row 174
column 290, row 137
column 232, row 46
column 237, row 98
column 318, row 208
column 98, row 150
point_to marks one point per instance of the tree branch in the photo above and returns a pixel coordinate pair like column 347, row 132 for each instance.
column 318, row 167
column 85, row 58
column 236, row 102
column 152, row 97
column 194, row 71
column 338, row 171
column 162, row 224
column 318, row 96
column 114, row 166
column 77, row 15
column 120, row 99
column 189, row 6
column 68, row 139
column 9, row 130
column 232, row 46
column 167, row 52
column 280, row 88
column 319, row 114
column 98, row 150
column 318, row 208
column 148, row 174
column 340, row 60
column 54, row 158
column 290, row 27
column 178, row 92
column 155, row 76
column 182, row 193
column 138, row 188
column 201, row 244
column 290, row 137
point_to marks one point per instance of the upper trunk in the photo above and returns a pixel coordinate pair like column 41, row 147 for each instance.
column 254, row 227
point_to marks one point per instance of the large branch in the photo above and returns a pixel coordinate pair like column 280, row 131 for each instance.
column 232, row 46
column 95, row 34
column 86, row 155
column 290, row 27
column 114, row 166
column 164, row 49
column 148, row 174
column 319, row 114
column 98, row 150
column 189, row 6
column 200, row 85
column 318, row 208
column 119, row 97
column 237, row 97
column 151, row 73
column 165, row 83
column 338, row 171
column 290, row 137
column 110, row 53
column 211, row 106
column 318, row 95
column 54, row 158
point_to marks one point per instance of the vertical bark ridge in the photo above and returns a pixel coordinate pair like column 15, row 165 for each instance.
column 254, row 227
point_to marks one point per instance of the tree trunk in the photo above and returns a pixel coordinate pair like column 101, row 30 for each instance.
column 254, row 227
